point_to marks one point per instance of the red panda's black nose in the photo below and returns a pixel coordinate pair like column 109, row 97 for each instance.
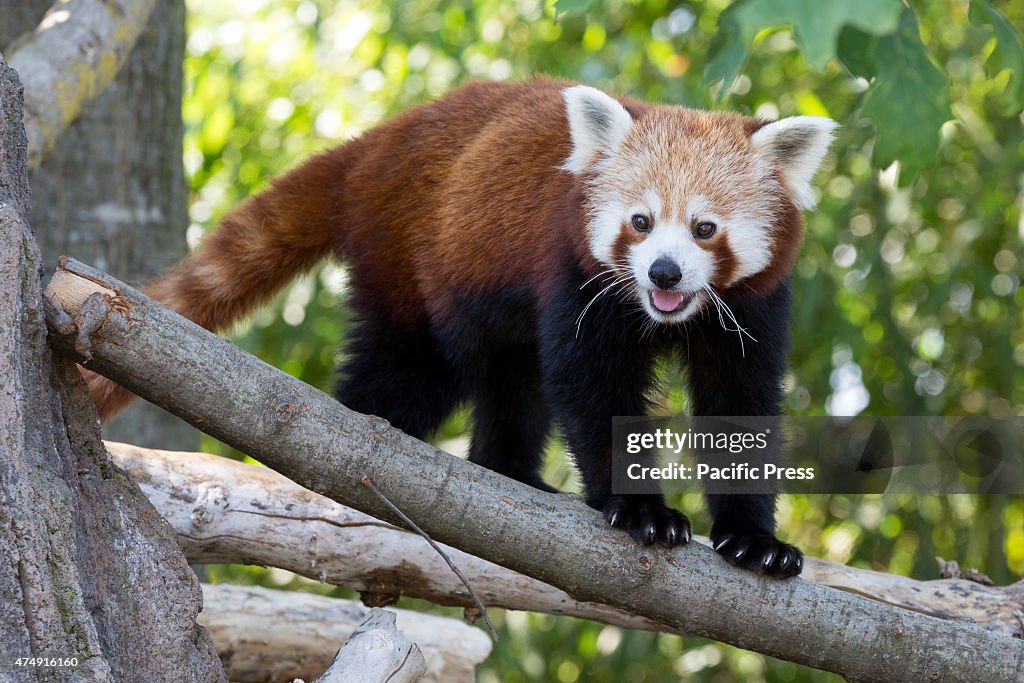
column 665, row 274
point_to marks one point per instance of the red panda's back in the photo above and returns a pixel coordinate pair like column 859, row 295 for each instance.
column 455, row 197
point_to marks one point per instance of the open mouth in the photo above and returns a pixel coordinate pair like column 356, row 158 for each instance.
column 666, row 301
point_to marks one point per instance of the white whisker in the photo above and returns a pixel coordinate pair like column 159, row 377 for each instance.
column 603, row 272
column 721, row 306
column 579, row 321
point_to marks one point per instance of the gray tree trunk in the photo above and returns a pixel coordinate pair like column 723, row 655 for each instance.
column 113, row 192
column 88, row 570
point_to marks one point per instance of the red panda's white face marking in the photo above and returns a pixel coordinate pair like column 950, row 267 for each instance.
column 713, row 196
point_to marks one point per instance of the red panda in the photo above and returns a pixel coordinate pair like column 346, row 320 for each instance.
column 533, row 247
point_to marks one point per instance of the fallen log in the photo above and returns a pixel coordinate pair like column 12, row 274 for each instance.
column 227, row 511
column 321, row 445
column 376, row 652
column 267, row 636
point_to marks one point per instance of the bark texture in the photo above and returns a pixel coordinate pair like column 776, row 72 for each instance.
column 321, row 445
column 113, row 191
column 227, row 511
column 377, row 652
column 274, row 636
column 68, row 58
column 87, row 567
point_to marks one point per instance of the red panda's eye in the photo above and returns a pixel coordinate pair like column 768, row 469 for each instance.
column 705, row 230
column 641, row 222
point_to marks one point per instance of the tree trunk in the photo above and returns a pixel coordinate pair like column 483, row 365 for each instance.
column 113, row 190
column 88, row 570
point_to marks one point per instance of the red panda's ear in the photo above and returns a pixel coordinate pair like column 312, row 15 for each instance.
column 796, row 146
column 597, row 123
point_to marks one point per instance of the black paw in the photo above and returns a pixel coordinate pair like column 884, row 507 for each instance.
column 647, row 521
column 761, row 553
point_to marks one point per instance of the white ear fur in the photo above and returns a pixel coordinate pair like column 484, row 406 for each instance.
column 796, row 145
column 596, row 123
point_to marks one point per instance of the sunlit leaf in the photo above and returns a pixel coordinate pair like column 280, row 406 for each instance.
column 1008, row 55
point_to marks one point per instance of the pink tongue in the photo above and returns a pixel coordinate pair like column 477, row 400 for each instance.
column 666, row 302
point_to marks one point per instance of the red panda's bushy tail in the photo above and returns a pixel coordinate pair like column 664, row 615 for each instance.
column 258, row 248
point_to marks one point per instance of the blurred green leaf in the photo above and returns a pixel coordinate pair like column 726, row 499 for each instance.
column 858, row 52
column 875, row 39
column 572, row 8
column 816, row 26
column 908, row 100
column 1008, row 54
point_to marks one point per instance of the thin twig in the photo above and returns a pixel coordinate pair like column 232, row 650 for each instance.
column 366, row 481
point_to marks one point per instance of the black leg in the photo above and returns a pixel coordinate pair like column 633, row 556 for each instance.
column 510, row 419
column 400, row 376
column 725, row 381
column 589, row 378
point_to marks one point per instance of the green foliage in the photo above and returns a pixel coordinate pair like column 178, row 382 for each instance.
column 876, row 40
column 572, row 7
column 908, row 102
column 1007, row 55
column 907, row 293
column 815, row 25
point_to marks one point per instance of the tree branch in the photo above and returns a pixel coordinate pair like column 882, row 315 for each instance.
column 323, row 446
column 227, row 511
column 264, row 634
column 69, row 59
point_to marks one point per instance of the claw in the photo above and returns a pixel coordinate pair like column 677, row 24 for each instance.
column 646, row 522
column 761, row 553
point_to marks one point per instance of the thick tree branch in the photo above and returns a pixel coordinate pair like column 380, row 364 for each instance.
column 227, row 511
column 69, row 59
column 266, row 635
column 323, row 446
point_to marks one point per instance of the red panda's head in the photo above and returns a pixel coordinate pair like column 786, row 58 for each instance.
column 684, row 204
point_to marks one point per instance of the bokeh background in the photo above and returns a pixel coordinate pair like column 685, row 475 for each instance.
column 908, row 298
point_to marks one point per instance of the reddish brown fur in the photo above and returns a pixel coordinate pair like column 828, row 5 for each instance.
column 466, row 197
column 725, row 260
column 258, row 248
column 443, row 199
